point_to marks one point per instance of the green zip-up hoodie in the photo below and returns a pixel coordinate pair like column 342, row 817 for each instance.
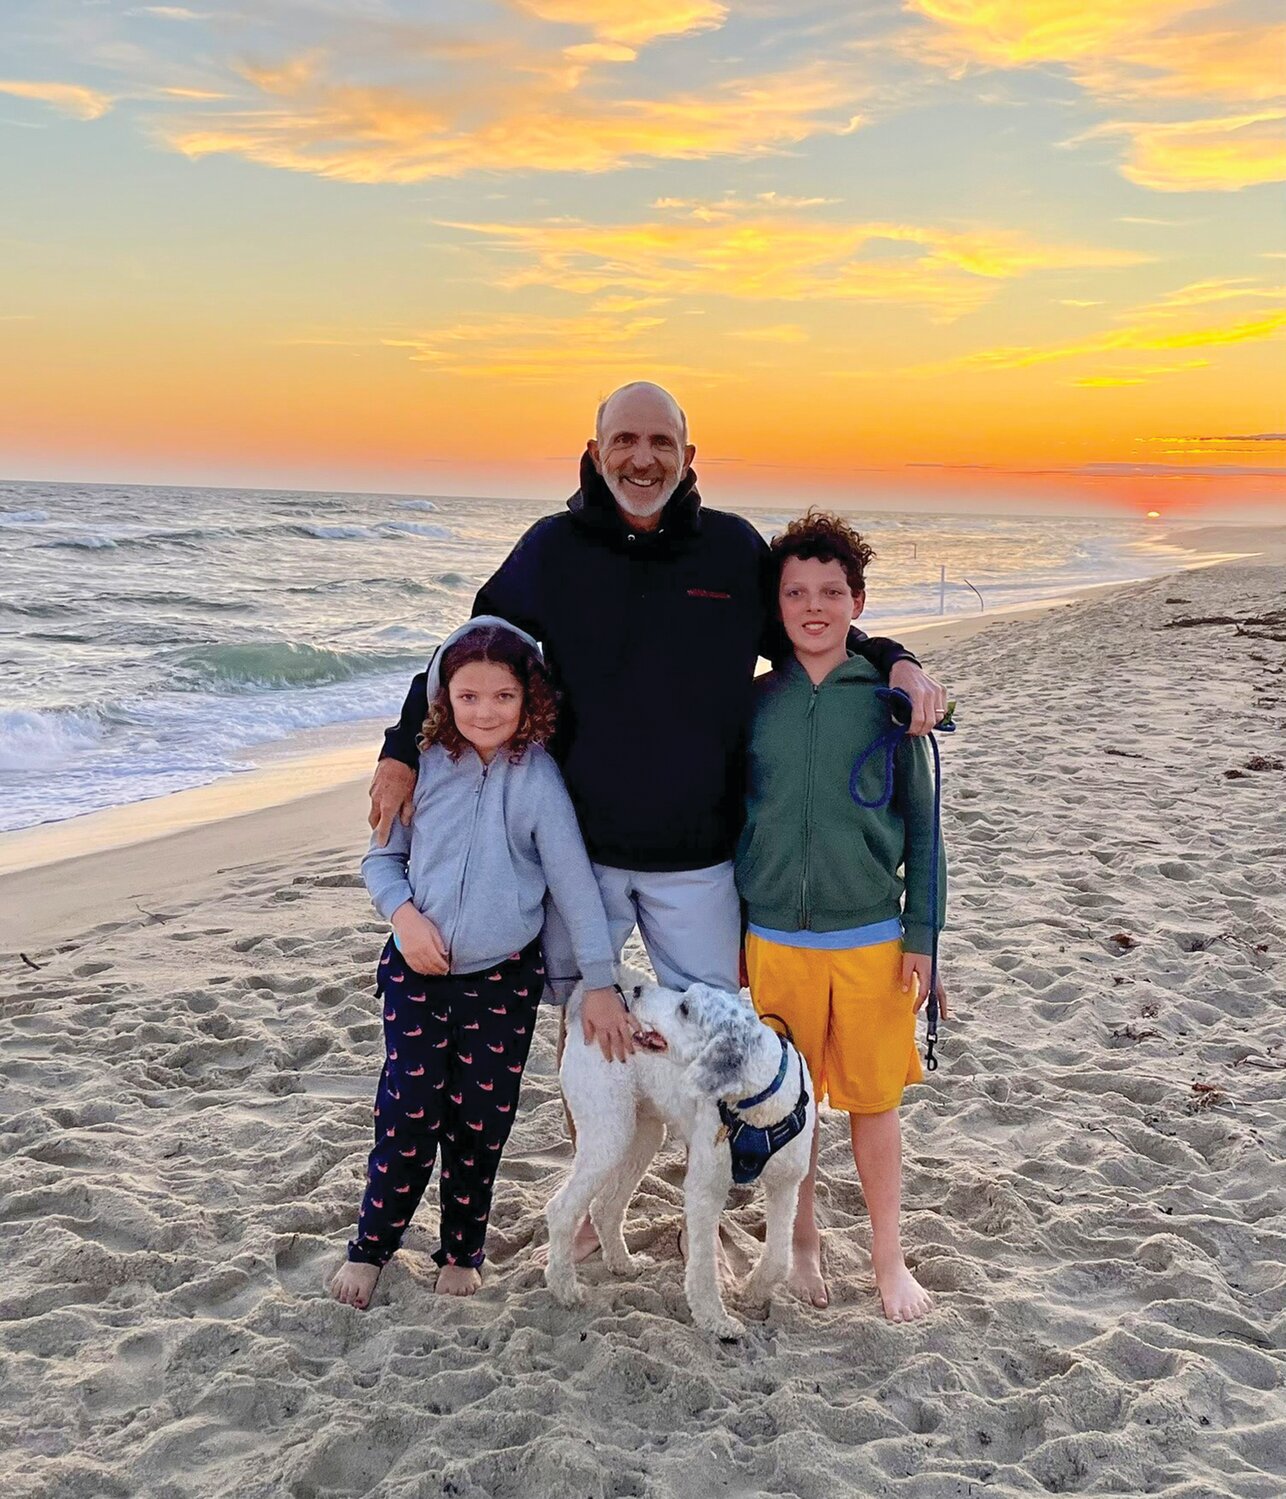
column 809, row 858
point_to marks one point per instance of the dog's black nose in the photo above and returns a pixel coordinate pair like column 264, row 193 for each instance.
column 638, row 991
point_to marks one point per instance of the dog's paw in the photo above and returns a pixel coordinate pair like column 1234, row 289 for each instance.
column 727, row 1329
column 622, row 1262
column 758, row 1293
column 565, row 1288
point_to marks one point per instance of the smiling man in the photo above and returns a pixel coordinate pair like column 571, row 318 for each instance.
column 652, row 611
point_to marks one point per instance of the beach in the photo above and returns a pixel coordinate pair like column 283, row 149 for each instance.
column 1093, row 1183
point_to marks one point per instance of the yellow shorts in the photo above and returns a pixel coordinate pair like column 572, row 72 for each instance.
column 848, row 1014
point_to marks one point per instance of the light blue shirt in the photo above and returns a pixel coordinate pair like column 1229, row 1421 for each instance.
column 856, row 936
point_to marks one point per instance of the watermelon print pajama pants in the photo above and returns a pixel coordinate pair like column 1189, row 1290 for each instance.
column 455, row 1048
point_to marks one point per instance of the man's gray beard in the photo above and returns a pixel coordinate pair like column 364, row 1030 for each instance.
column 629, row 502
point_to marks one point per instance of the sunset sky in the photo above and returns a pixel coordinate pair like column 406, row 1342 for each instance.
column 994, row 253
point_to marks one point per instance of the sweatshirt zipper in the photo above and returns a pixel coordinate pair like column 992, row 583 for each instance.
column 808, row 809
column 464, row 867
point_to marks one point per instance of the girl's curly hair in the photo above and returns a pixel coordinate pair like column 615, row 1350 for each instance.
column 824, row 537
column 505, row 648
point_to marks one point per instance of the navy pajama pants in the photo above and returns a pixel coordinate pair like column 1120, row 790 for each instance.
column 455, row 1046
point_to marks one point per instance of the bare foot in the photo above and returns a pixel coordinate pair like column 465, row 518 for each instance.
column 354, row 1283
column 805, row 1278
column 583, row 1245
column 457, row 1280
column 904, row 1298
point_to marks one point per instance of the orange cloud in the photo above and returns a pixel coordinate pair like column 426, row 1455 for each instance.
column 1140, row 338
column 632, row 22
column 1219, row 289
column 1212, row 155
column 544, row 348
column 588, row 52
column 731, row 207
column 1243, row 65
column 378, row 133
column 786, row 258
column 1141, row 375
column 1131, row 53
column 200, row 95
column 171, row 12
column 69, row 98
column 1014, row 33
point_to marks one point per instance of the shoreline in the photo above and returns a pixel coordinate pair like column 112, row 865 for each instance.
column 290, row 778
column 88, row 869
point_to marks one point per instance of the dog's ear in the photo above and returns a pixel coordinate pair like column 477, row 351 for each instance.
column 718, row 1064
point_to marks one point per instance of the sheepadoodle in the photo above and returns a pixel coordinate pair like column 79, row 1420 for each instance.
column 735, row 1091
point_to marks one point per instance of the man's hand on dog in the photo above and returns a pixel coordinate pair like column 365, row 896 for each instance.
column 916, row 969
column 605, row 1019
column 392, row 795
column 419, row 941
column 928, row 698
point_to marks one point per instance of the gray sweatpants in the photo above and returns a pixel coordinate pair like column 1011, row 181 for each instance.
column 690, row 922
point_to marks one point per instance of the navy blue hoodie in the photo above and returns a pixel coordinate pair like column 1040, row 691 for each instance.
column 652, row 638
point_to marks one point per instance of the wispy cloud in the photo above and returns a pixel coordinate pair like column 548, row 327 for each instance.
column 1220, row 154
column 196, row 95
column 1174, row 471
column 1140, row 374
column 1135, row 339
column 68, row 98
column 1197, row 59
column 1142, row 54
column 730, row 206
column 1218, row 289
column 591, row 52
column 505, row 123
column 1237, row 438
column 632, row 23
column 170, row 12
column 545, row 348
column 1123, row 52
column 787, row 258
column 1109, row 470
column 1013, row 33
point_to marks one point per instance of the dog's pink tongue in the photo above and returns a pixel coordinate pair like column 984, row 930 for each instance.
column 650, row 1040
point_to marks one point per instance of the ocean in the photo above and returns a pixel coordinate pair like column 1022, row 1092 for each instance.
column 154, row 639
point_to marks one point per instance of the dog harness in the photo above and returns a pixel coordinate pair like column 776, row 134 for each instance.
column 753, row 1146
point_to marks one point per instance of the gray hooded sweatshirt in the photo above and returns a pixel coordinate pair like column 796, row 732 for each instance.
column 485, row 844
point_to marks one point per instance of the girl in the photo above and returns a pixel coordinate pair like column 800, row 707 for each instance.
column 493, row 829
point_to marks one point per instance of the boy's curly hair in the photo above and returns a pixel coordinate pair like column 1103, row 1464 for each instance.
column 539, row 700
column 824, row 537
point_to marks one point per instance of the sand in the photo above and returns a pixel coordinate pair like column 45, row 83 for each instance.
column 1093, row 1183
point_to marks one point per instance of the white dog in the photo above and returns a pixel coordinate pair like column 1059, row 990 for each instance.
column 712, row 1050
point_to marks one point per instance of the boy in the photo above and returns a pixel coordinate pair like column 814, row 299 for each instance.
column 838, row 943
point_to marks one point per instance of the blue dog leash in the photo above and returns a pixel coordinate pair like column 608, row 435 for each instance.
column 887, row 743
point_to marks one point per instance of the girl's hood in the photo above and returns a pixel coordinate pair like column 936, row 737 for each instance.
column 479, row 622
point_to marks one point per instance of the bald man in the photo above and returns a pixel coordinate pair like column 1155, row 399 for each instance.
column 652, row 611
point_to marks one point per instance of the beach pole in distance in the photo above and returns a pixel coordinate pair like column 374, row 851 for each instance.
column 942, row 589
column 968, row 584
